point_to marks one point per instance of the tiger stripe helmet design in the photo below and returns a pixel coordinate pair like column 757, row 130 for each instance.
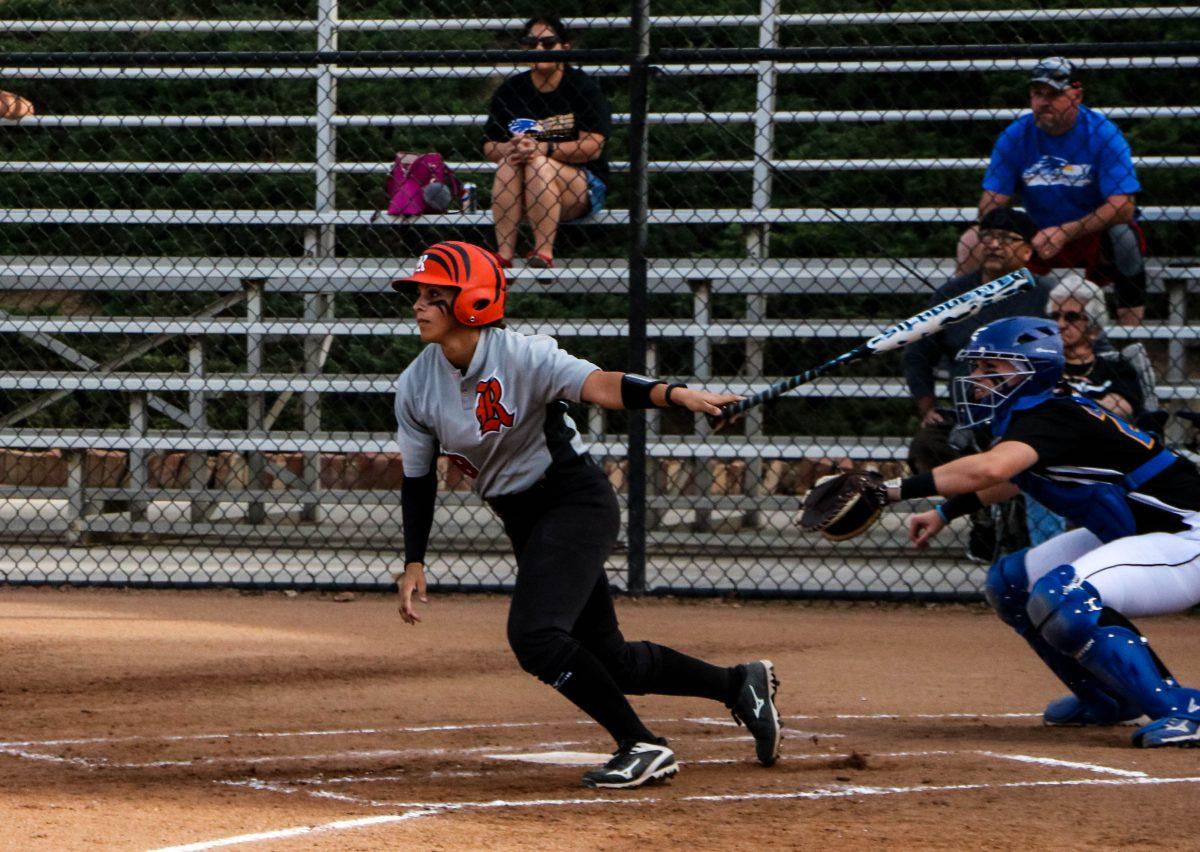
column 472, row 270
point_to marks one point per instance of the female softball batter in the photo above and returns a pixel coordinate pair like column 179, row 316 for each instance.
column 492, row 400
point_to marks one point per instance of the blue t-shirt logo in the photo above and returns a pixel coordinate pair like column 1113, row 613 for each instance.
column 1055, row 171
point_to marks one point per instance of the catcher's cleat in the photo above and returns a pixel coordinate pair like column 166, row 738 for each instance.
column 755, row 708
column 1178, row 732
column 1070, row 711
column 843, row 505
column 632, row 765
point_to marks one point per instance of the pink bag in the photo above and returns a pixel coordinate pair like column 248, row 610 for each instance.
column 416, row 183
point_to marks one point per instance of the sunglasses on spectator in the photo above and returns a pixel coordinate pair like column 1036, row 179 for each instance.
column 1069, row 316
column 546, row 42
column 1005, row 238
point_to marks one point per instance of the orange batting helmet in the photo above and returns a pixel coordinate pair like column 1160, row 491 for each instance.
column 472, row 270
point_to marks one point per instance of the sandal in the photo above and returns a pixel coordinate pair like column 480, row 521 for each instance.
column 503, row 262
column 539, row 261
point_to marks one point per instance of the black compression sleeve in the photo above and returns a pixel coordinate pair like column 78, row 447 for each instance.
column 417, row 496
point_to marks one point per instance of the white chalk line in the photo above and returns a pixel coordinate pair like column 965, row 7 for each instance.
column 356, row 754
column 417, row 810
column 284, row 833
column 422, row 729
column 1068, row 764
column 787, row 733
column 476, row 726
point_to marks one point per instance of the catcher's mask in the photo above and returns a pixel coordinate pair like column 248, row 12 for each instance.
column 1033, row 349
column 851, row 519
column 471, row 270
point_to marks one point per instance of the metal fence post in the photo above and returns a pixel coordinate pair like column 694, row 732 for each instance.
column 758, row 239
column 197, row 463
column 256, row 512
column 319, row 306
column 638, row 202
column 139, row 473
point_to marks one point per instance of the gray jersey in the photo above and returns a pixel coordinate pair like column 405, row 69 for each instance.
column 503, row 421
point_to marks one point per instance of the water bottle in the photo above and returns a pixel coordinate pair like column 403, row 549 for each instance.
column 469, row 200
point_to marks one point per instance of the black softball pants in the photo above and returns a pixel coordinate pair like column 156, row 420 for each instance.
column 562, row 626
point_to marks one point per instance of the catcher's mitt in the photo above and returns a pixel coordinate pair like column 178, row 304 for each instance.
column 843, row 505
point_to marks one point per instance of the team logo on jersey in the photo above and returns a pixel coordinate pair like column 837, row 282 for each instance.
column 1055, row 171
column 489, row 407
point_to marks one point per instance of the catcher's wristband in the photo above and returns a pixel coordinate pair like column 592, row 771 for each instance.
column 959, row 505
column 914, row 487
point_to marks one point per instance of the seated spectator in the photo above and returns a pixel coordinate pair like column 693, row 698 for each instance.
column 1075, row 174
column 14, row 107
column 1006, row 240
column 556, row 171
column 1077, row 305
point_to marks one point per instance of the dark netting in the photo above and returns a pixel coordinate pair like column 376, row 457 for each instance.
column 200, row 218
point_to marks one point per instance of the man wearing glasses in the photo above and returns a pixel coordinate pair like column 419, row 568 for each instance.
column 1075, row 175
column 1005, row 245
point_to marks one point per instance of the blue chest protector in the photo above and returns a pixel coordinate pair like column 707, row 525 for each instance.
column 1101, row 507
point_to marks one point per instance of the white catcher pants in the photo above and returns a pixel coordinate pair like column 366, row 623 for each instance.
column 1151, row 574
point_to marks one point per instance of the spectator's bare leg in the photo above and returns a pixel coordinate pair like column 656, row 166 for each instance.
column 969, row 254
column 554, row 192
column 508, row 205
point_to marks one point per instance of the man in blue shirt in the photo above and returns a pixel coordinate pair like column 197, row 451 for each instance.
column 1074, row 172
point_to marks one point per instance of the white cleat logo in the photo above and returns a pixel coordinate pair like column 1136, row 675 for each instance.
column 758, row 703
column 1181, row 726
column 627, row 772
column 1192, row 705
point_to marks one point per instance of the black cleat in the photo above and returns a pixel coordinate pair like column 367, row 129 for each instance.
column 632, row 765
column 755, row 708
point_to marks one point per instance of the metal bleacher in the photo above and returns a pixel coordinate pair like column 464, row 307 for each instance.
column 241, row 285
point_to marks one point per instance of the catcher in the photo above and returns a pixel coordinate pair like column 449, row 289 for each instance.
column 1135, row 549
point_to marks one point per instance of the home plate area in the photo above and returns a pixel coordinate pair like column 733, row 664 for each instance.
column 431, row 772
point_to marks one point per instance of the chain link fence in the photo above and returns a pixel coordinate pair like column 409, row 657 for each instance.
column 200, row 343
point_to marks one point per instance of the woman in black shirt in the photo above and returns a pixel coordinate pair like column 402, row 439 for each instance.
column 1077, row 306
column 546, row 130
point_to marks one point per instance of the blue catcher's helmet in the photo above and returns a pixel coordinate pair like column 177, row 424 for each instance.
column 1032, row 347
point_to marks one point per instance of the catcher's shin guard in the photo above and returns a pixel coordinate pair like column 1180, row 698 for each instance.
column 1070, row 616
column 1006, row 590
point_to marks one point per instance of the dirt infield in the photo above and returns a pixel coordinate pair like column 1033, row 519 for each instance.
column 159, row 719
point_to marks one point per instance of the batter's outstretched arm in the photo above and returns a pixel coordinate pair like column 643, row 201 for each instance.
column 618, row 391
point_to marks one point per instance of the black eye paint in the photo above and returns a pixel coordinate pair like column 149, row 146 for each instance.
column 441, row 304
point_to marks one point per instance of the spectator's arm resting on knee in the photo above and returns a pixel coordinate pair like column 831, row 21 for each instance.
column 14, row 107
column 989, row 201
column 1116, row 210
column 576, row 152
